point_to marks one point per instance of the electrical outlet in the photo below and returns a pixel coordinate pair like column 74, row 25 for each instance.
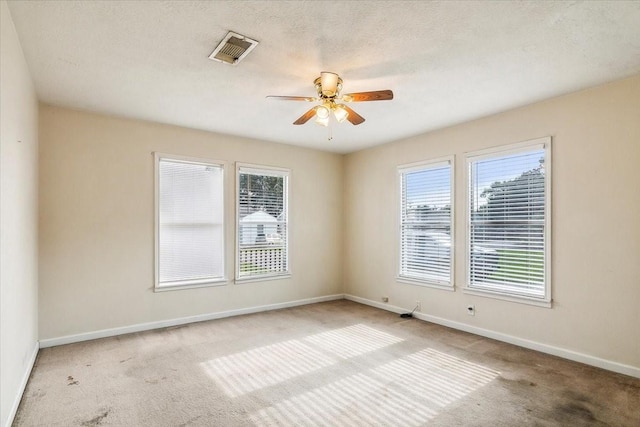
column 385, row 299
column 418, row 306
column 471, row 310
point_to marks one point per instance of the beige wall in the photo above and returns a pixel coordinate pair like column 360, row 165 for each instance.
column 96, row 222
column 18, row 219
column 595, row 222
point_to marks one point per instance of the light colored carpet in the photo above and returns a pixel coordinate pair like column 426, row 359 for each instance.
column 329, row 364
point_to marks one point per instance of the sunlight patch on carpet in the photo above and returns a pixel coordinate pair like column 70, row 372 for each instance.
column 352, row 341
column 254, row 369
column 408, row 391
column 435, row 376
column 359, row 399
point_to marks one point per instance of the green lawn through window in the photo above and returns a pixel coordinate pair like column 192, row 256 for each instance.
column 519, row 266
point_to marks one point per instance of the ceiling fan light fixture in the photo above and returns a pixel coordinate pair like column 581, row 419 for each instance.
column 322, row 112
column 329, row 82
column 340, row 113
column 322, row 121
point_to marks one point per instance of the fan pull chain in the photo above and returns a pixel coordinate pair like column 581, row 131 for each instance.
column 330, row 137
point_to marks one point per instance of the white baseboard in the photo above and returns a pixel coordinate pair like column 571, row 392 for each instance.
column 23, row 384
column 69, row 339
column 533, row 345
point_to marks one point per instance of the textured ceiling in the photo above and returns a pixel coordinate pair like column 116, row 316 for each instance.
column 447, row 62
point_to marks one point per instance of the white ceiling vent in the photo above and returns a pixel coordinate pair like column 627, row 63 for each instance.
column 233, row 48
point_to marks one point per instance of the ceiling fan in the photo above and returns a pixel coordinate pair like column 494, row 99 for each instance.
column 328, row 87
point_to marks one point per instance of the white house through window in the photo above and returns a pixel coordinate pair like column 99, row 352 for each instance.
column 262, row 231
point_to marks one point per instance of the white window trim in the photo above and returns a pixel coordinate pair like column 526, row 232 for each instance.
column 538, row 143
column 410, row 167
column 185, row 284
column 262, row 170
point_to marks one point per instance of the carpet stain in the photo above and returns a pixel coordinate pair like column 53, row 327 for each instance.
column 520, row 382
column 126, row 360
column 72, row 381
column 577, row 396
column 38, row 394
column 97, row 420
column 574, row 409
column 191, row 421
column 154, row 380
column 574, row 413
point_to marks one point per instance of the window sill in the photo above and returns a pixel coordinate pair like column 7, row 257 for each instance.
column 191, row 285
column 426, row 283
column 538, row 302
column 262, row 278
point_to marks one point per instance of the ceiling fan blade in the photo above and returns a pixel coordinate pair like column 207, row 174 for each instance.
column 353, row 117
column 293, row 98
column 305, row 117
column 376, row 95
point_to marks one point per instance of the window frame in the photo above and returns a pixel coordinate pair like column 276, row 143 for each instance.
column 270, row 171
column 416, row 166
column 544, row 143
column 193, row 283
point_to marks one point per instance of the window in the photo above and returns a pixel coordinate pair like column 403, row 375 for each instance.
column 508, row 221
column 189, row 222
column 425, row 222
column 262, row 231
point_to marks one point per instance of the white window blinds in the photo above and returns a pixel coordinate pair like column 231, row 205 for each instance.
column 507, row 222
column 262, row 222
column 425, row 222
column 190, row 229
